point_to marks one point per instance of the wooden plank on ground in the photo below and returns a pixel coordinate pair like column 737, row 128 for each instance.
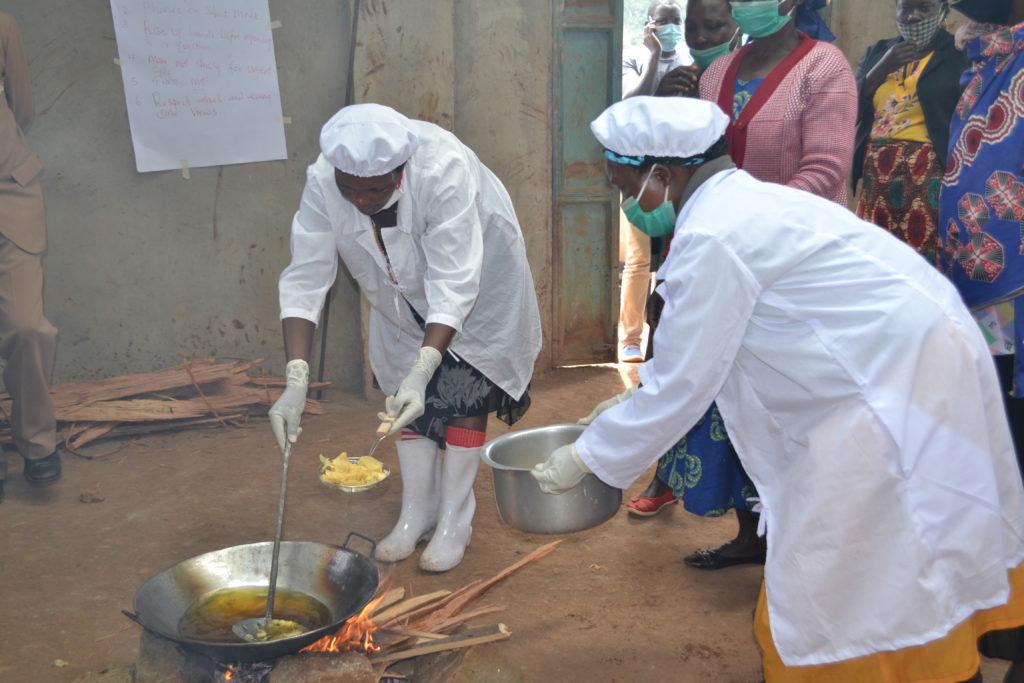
column 205, row 370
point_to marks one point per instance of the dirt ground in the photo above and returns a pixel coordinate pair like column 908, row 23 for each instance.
column 613, row 603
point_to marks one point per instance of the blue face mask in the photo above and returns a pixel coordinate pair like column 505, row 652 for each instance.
column 669, row 36
column 759, row 18
column 657, row 223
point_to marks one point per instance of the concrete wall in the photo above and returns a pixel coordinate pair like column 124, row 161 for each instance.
column 144, row 267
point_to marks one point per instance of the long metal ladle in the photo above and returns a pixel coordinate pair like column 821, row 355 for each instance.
column 264, row 628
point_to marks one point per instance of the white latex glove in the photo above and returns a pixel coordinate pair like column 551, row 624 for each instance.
column 408, row 402
column 606, row 404
column 287, row 411
column 561, row 471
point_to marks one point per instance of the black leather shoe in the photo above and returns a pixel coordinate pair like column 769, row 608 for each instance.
column 43, row 471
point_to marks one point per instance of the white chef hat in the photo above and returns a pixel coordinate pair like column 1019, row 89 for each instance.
column 675, row 127
column 368, row 140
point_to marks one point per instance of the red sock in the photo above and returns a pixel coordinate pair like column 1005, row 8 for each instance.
column 466, row 438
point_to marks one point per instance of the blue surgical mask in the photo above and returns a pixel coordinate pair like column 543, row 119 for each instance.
column 657, row 223
column 703, row 58
column 669, row 36
column 760, row 18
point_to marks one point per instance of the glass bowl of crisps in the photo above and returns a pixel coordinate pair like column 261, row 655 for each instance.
column 352, row 474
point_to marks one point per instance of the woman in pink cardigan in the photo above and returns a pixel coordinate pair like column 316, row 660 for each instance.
column 792, row 101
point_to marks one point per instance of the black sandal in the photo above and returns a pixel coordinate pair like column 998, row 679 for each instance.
column 711, row 558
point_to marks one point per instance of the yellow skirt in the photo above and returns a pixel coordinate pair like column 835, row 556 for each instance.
column 951, row 659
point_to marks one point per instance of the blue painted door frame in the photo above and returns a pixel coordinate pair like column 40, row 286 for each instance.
column 587, row 78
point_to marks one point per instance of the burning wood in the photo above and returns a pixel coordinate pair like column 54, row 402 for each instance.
column 354, row 634
column 391, row 628
column 200, row 392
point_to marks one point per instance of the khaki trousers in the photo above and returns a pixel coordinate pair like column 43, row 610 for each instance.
column 27, row 345
column 635, row 254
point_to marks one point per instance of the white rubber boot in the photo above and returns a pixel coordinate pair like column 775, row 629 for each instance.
column 420, row 465
column 455, row 518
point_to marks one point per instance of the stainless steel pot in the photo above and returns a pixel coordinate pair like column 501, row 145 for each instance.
column 342, row 579
column 520, row 501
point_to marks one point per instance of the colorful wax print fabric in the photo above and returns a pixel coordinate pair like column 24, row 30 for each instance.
column 898, row 112
column 704, row 471
column 902, row 181
column 982, row 206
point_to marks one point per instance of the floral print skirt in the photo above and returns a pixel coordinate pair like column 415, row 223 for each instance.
column 900, row 193
column 458, row 389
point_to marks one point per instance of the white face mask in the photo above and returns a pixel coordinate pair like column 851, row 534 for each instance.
column 396, row 194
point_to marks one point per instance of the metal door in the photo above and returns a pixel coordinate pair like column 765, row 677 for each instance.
column 587, row 78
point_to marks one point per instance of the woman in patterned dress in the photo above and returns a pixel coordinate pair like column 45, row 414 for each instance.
column 908, row 87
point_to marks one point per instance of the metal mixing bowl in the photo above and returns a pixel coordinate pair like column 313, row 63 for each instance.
column 523, row 505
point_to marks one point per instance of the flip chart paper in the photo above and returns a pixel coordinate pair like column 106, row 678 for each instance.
column 200, row 82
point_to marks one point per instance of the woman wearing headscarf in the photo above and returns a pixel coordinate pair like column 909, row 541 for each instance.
column 908, row 87
column 982, row 210
column 860, row 397
column 430, row 236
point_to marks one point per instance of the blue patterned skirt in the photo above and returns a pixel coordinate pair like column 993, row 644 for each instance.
column 704, row 471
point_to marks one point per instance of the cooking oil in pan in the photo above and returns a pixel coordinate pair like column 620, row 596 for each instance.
column 211, row 617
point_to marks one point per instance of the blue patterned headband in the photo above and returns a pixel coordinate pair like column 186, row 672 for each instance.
column 619, row 159
column 639, row 160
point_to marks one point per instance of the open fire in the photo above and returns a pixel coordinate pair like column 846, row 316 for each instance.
column 355, row 634
column 251, row 672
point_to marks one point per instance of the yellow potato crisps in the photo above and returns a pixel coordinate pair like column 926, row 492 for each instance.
column 342, row 471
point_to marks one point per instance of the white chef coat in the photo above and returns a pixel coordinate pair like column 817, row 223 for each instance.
column 457, row 254
column 862, row 401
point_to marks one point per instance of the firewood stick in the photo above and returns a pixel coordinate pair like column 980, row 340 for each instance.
column 458, row 600
column 456, row 604
column 488, row 634
column 405, row 606
column 429, row 609
column 390, row 598
column 439, row 625
column 413, row 633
